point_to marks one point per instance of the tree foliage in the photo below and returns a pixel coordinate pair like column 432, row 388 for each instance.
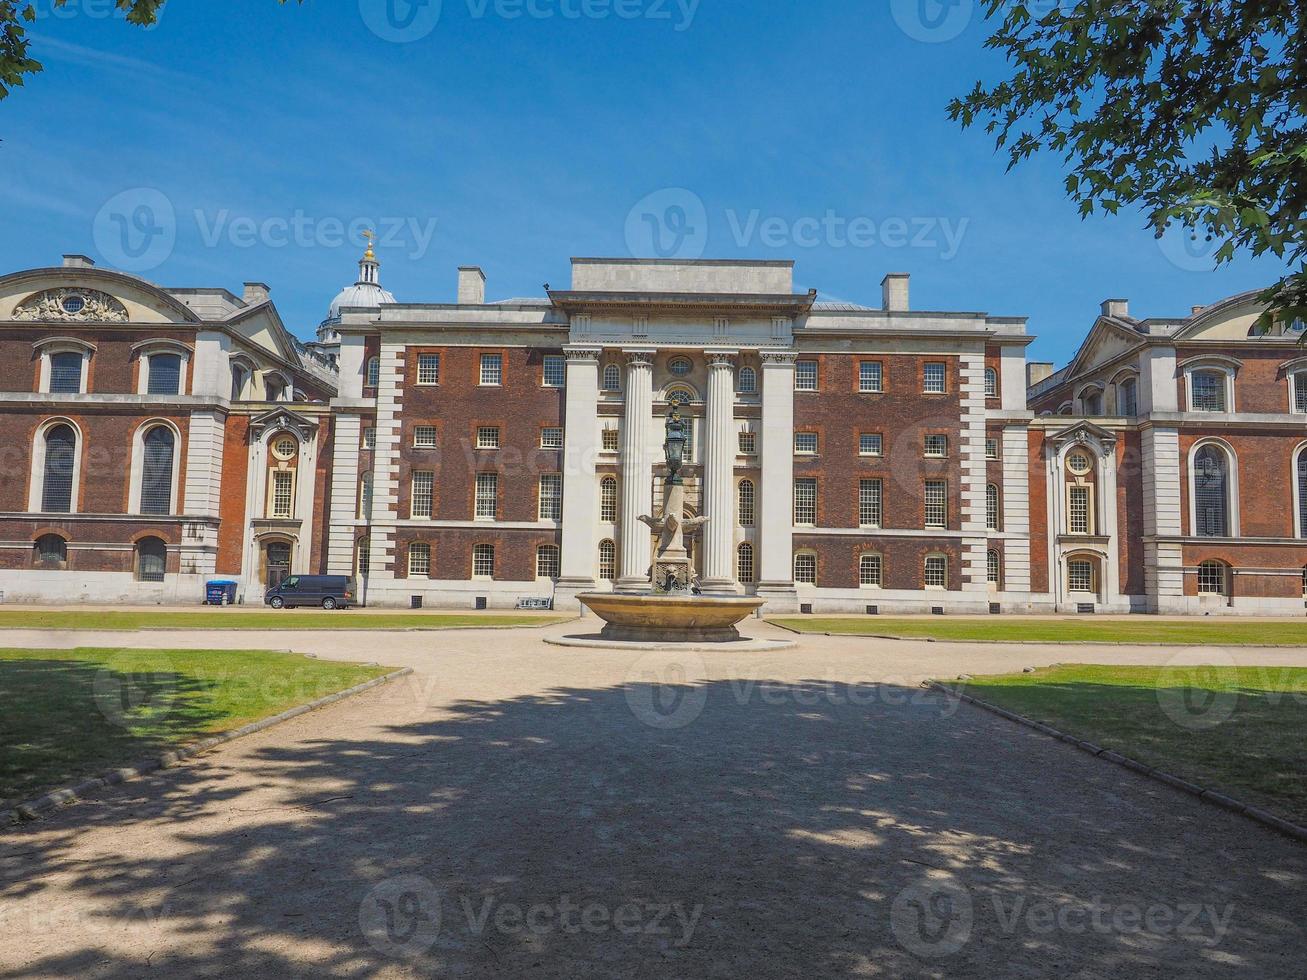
column 1192, row 110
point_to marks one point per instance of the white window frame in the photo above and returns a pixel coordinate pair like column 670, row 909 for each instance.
column 428, row 479
column 372, row 372
column 607, row 556
column 991, row 383
column 611, row 371
column 272, row 494
column 488, row 481
column 422, row 429
column 993, row 569
column 941, row 559
column 425, row 360
column 801, row 368
column 37, row 480
column 871, row 382
column 805, row 482
column 557, row 560
column 370, row 439
column 608, row 503
column 928, row 489
column 1292, row 371
column 137, row 475
column 880, row 444
column 928, row 385
column 1231, row 487
column 144, row 353
column 491, row 365
column 610, row 439
column 879, row 582
column 480, row 548
column 558, row 361
column 871, row 501
column 549, row 497
column 63, row 345
column 746, row 509
column 993, row 449
column 1224, row 589
column 938, row 442
column 748, row 442
column 1091, row 515
column 805, row 443
column 546, row 442
column 416, row 548
column 1094, row 568
column 805, row 554
column 492, row 438
column 747, row 381
column 743, row 548
column 1208, row 366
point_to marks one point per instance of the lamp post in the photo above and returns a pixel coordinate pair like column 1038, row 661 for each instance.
column 674, row 446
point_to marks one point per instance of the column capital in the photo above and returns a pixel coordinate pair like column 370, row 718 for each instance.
column 582, row 353
column 778, row 358
column 720, row 357
column 639, row 357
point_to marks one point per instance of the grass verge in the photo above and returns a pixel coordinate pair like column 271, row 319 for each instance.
column 1237, row 730
column 66, row 715
column 234, row 619
column 1005, row 629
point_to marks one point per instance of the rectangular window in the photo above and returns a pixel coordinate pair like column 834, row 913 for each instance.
column 936, row 503
column 933, row 380
column 428, row 369
column 936, row 445
column 555, row 371
column 424, row 437
column 869, row 503
column 993, row 568
column 487, row 496
column 419, row 560
column 165, row 374
column 936, row 572
column 1211, row 577
column 488, row 437
column 748, row 503
column 1208, row 388
column 551, row 438
column 492, row 369
column 1080, row 575
column 869, row 570
column 805, row 568
column 991, row 449
column 283, row 491
column 1127, row 397
column 370, row 439
column 66, row 373
column 805, row 376
column 991, row 508
column 548, row 562
column 805, row 443
column 871, row 376
column 551, row 497
column 748, row 444
column 1300, row 392
column 1078, row 511
column 483, row 561
column 424, row 483
column 805, row 501
column 870, row 444
column 609, row 440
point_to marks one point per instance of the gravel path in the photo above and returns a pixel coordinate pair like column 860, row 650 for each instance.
column 517, row 810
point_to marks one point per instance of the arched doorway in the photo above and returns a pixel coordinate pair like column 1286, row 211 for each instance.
column 274, row 561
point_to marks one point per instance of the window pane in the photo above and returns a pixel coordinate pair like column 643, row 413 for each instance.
column 372, row 377
column 424, row 437
column 805, row 376
column 870, row 444
column 483, row 560
column 492, row 369
column 991, row 383
column 805, row 568
column 1129, row 399
column 992, row 568
column 612, row 378
column 1211, row 505
column 487, row 495
column 488, row 437
column 419, row 559
column 1078, row 512
column 748, row 444
column 283, row 482
column 805, row 501
column 1211, row 577
column 869, row 569
column 555, row 371
column 748, row 381
column 608, row 500
column 870, row 376
column 1208, row 391
column 991, row 507
column 744, row 564
column 551, row 497
column 151, row 560
column 607, row 560
column 165, row 374
column 428, row 369
column 805, row 443
column 60, row 458
column 547, row 561
column 936, row 571
column 609, row 439
column 156, row 472
column 748, row 503
column 936, row 445
column 66, row 373
column 869, row 503
column 1080, row 575
column 934, row 377
column 936, row 503
column 423, row 493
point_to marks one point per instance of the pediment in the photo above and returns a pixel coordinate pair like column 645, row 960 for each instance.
column 87, row 295
column 1087, row 434
column 282, row 420
column 1108, row 339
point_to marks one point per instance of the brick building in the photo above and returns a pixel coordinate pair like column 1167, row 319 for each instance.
column 476, row 453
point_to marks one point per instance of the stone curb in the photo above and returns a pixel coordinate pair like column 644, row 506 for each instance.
column 1264, row 818
column 1030, row 643
column 33, row 809
column 275, row 629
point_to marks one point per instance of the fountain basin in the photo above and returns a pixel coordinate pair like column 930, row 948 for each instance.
column 652, row 618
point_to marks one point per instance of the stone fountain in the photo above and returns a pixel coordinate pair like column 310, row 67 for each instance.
column 671, row 609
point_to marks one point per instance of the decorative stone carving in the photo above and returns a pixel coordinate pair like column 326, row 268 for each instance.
column 282, row 420
column 72, row 305
column 778, row 356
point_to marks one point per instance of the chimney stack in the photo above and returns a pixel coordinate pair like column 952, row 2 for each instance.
column 78, row 262
column 1037, row 371
column 1195, row 310
column 471, row 286
column 1116, row 307
column 894, row 292
column 256, row 293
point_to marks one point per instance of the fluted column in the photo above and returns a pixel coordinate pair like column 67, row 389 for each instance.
column 776, row 580
column 637, row 472
column 580, row 487
column 719, row 474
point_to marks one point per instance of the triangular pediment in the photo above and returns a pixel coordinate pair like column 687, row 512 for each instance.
column 1084, row 433
column 282, row 420
column 1108, row 339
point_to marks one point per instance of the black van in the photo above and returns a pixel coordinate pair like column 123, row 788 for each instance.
column 327, row 591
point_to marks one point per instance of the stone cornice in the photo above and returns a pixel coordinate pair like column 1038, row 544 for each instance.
column 572, row 302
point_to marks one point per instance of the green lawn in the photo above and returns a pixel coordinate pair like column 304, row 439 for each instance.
column 236, row 619
column 1007, row 629
column 69, row 714
column 1238, row 730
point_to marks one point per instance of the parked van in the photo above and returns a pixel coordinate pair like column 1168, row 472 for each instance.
column 327, row 591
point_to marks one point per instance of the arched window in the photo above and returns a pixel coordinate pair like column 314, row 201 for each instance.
column 365, row 496
column 991, row 507
column 1211, row 492
column 1082, row 575
column 1213, row 578
column 748, row 503
column 165, row 375
column 547, row 561
column 1091, row 401
column 608, row 500
column 363, row 555
column 993, row 568
column 372, row 376
column 51, row 551
column 870, row 569
column 1302, row 494
column 60, row 462
column 612, row 378
column 1304, row 580
column 1127, row 398
column 744, row 563
column 748, row 381
column 607, row 560
column 156, row 470
column 805, row 568
column 151, row 559
column 991, row 383
column 238, row 378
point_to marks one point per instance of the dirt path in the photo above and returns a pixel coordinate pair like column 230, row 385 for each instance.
column 520, row 810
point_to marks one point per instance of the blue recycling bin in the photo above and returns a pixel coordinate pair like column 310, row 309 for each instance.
column 220, row 592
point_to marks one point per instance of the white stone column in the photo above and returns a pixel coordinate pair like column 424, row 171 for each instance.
column 776, row 524
column 719, row 474
column 580, row 488
column 346, row 473
column 637, row 472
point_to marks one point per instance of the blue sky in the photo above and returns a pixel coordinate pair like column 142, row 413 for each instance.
column 245, row 140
